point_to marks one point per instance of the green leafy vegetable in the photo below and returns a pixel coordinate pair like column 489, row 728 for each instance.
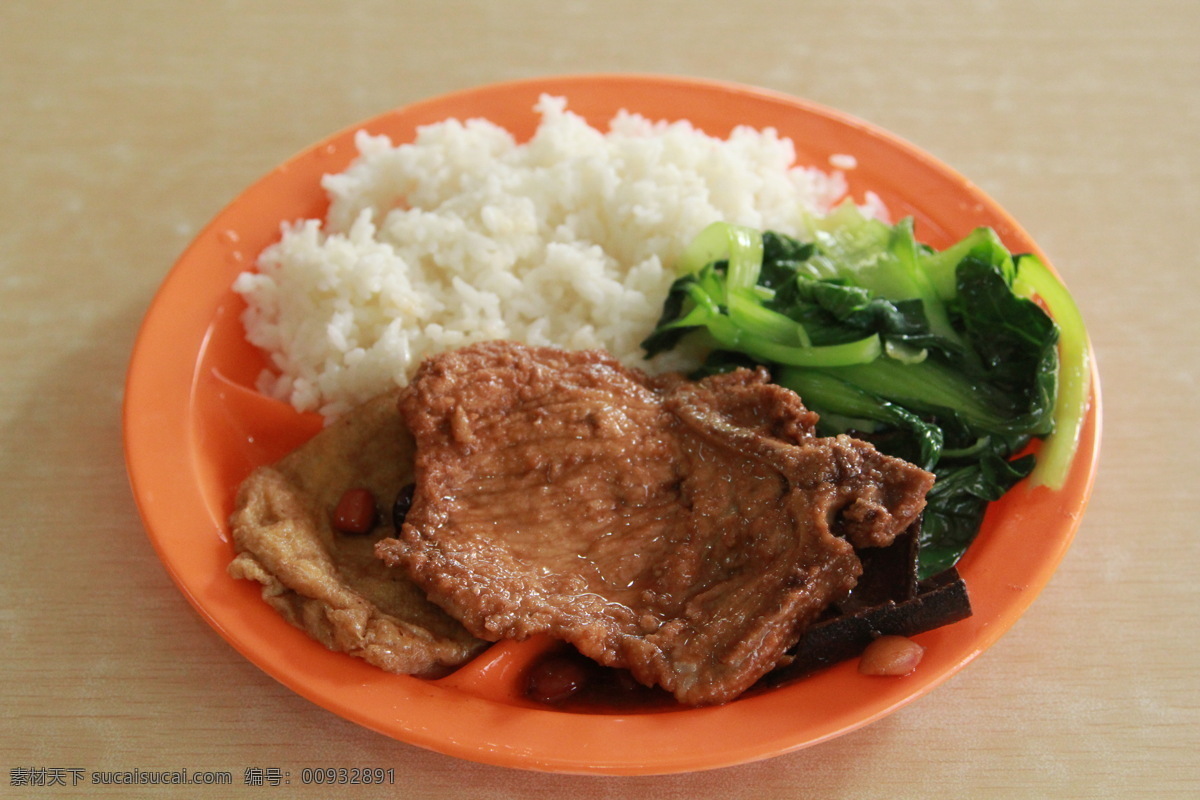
column 941, row 358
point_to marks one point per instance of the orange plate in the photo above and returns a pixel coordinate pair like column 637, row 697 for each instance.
column 194, row 427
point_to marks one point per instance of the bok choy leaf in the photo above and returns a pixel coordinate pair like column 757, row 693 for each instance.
column 942, row 358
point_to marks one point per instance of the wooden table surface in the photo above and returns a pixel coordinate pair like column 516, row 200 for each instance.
column 125, row 126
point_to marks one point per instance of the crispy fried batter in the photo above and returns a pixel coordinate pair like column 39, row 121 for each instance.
column 329, row 584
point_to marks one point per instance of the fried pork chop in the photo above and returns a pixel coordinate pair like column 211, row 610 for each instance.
column 330, row 584
column 686, row 531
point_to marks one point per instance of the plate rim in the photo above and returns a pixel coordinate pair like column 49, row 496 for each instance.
column 140, row 414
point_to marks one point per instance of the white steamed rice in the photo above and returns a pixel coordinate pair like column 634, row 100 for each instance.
column 465, row 235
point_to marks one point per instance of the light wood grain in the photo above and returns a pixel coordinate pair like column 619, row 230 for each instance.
column 124, row 126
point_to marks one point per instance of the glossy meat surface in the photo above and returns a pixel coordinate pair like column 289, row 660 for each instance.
column 687, row 531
